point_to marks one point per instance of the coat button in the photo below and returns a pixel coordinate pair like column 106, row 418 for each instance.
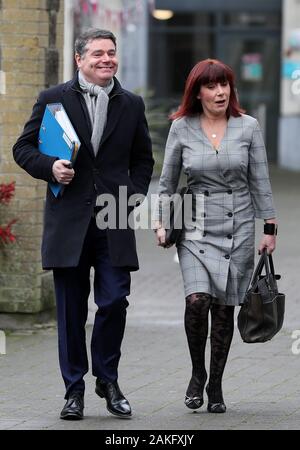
column 88, row 202
column 230, row 214
column 229, row 191
column 201, row 251
column 206, row 193
column 227, row 256
column 229, row 236
column 204, row 233
column 203, row 214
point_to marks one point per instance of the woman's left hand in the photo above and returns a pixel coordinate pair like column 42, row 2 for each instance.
column 268, row 242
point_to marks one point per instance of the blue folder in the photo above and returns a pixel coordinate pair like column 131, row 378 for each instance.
column 57, row 137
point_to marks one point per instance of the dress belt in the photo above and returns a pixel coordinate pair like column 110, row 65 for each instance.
column 208, row 191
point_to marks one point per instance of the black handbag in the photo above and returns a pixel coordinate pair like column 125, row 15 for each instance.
column 261, row 316
column 174, row 231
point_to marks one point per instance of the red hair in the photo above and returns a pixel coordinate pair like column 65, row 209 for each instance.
column 204, row 72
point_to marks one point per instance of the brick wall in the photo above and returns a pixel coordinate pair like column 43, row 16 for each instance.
column 31, row 49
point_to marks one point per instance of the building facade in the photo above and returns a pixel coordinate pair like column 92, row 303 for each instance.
column 260, row 40
column 159, row 41
column 245, row 35
column 289, row 116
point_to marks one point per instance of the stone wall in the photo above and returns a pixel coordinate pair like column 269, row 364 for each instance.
column 31, row 51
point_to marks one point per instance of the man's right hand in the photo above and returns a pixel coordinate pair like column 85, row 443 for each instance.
column 61, row 171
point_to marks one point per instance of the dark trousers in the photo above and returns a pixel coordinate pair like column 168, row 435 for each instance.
column 72, row 288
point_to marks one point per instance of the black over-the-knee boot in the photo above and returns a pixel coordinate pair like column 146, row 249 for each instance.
column 196, row 327
column 222, row 325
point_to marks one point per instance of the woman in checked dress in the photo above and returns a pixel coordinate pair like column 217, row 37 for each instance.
column 221, row 150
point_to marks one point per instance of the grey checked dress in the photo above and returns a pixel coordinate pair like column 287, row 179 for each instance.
column 235, row 186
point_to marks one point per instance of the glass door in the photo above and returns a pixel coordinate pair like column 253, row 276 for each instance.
column 255, row 59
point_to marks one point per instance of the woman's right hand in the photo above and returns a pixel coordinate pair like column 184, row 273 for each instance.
column 161, row 238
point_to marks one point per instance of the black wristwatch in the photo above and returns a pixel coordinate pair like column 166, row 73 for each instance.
column 270, row 228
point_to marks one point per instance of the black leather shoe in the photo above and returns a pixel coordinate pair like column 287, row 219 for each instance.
column 116, row 403
column 73, row 409
column 194, row 402
column 215, row 402
column 194, row 394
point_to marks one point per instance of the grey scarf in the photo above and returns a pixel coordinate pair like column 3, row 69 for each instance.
column 96, row 98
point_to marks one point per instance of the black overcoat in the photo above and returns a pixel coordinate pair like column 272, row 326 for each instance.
column 124, row 159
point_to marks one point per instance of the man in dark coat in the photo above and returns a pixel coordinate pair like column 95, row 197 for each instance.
column 115, row 151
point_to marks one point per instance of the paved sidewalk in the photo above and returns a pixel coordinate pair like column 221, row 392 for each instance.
column 261, row 382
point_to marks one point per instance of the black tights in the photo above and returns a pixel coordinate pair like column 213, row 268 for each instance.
column 196, row 327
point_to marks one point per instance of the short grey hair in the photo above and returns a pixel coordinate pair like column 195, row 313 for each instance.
column 90, row 35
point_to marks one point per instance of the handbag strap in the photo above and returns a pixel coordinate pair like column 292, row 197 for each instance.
column 267, row 261
column 258, row 269
column 271, row 265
